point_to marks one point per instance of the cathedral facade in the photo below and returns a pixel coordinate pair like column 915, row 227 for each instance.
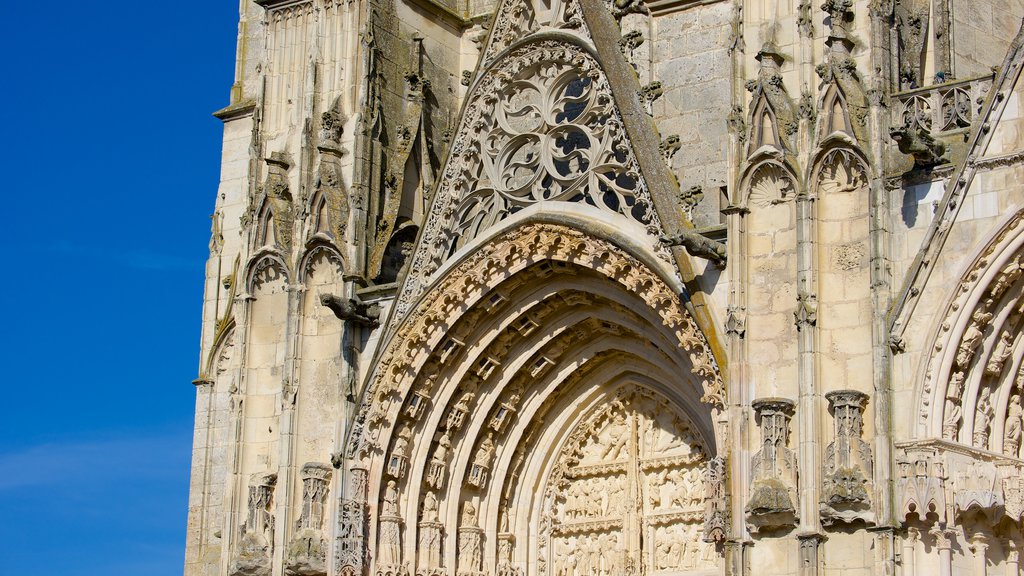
column 615, row 288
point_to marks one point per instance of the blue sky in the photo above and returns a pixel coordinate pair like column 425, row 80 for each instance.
column 110, row 164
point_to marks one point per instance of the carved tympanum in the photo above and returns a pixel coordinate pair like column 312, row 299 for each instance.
column 630, row 491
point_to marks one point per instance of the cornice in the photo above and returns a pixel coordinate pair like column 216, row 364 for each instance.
column 236, row 110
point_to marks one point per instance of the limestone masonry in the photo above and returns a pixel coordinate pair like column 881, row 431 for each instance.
column 615, row 288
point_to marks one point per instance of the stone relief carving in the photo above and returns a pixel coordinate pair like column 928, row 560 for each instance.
column 554, row 135
column 389, row 535
column 841, row 171
column 716, row 513
column 920, row 486
column 774, row 468
column 350, row 548
column 431, row 536
column 976, row 487
column 632, row 467
column 848, row 463
column 307, row 551
column 255, row 549
column 533, row 243
column 471, row 542
column 770, row 185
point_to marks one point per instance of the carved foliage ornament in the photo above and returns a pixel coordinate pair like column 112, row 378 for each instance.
column 492, row 264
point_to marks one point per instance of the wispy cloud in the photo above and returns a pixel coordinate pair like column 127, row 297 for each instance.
column 94, row 462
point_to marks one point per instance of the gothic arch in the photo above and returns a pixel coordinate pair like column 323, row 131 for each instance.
column 975, row 364
column 261, row 261
column 768, row 180
column 834, row 115
column 316, row 247
column 533, row 327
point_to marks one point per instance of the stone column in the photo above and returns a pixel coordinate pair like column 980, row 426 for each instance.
column 806, row 317
column 979, row 546
column 1012, row 559
column 944, row 542
column 909, row 544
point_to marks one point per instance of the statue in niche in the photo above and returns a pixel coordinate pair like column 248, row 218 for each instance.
column 430, row 537
column 468, row 514
column 389, row 505
column 470, row 541
column 953, row 410
column 1002, row 351
column 429, row 507
column 1012, row 430
column 983, row 418
column 399, row 460
column 459, row 411
column 972, row 337
column 444, row 444
column 482, row 462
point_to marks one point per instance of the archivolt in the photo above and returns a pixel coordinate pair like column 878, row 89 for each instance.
column 529, row 329
column 975, row 367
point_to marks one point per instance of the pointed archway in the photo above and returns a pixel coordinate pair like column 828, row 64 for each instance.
column 549, row 390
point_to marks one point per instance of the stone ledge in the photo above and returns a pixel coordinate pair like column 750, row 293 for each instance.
column 236, row 111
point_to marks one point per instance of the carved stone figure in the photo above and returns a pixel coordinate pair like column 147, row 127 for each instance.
column 482, row 462
column 458, row 413
column 389, row 504
column 1002, row 350
column 972, row 337
column 1012, row 428
column 399, row 459
column 698, row 245
column 438, row 462
column 983, row 413
column 352, row 310
column 919, row 144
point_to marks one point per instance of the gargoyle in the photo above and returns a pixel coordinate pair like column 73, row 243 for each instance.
column 698, row 245
column 919, row 144
column 352, row 310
